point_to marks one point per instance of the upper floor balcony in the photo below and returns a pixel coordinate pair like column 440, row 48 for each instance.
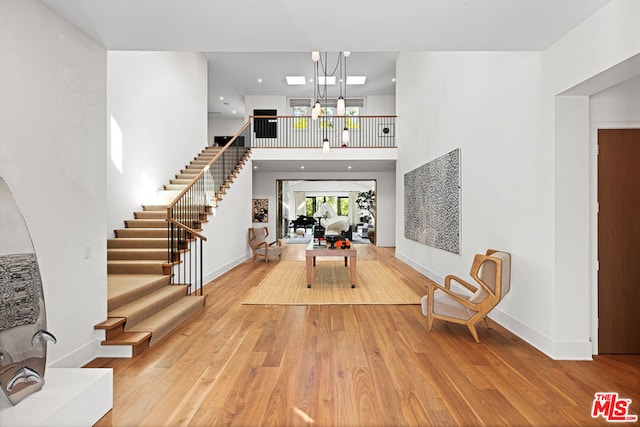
column 331, row 138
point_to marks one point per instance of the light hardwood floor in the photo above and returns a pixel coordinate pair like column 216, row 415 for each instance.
column 248, row 365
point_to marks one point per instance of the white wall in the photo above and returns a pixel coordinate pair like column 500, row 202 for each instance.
column 381, row 105
column 482, row 103
column 52, row 156
column 619, row 103
column 159, row 102
column 594, row 50
column 525, row 167
column 226, row 232
column 223, row 127
column 264, row 187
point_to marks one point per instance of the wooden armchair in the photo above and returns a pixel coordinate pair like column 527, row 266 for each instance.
column 259, row 245
column 491, row 271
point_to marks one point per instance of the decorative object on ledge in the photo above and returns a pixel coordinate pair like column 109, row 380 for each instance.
column 23, row 323
column 432, row 203
column 260, row 210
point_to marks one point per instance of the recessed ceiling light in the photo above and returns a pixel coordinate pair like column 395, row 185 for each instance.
column 259, row 80
column 356, row 80
column 222, row 98
column 393, row 79
column 348, row 167
column 233, row 112
column 255, row 167
column 296, row 80
column 331, row 80
column 301, row 167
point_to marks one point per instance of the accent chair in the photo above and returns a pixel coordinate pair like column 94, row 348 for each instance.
column 491, row 271
column 260, row 247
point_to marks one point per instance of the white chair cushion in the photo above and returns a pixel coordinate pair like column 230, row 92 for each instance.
column 444, row 305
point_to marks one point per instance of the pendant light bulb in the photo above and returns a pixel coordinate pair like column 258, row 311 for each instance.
column 315, row 56
column 316, row 110
column 345, row 136
column 325, row 147
column 341, row 109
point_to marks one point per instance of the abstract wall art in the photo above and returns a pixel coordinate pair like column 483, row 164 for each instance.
column 432, row 203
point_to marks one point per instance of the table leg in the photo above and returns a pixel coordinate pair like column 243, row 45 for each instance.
column 353, row 271
column 345, row 261
column 310, row 261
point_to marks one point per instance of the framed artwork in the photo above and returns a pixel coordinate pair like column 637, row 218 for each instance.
column 260, row 210
column 432, row 203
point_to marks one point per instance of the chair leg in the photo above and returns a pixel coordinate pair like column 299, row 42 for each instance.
column 429, row 321
column 486, row 321
column 473, row 331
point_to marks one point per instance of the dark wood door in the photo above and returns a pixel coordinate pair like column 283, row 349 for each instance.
column 619, row 240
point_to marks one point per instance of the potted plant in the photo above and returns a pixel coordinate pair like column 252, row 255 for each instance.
column 366, row 202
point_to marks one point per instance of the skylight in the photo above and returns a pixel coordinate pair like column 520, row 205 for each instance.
column 296, row 80
column 356, row 80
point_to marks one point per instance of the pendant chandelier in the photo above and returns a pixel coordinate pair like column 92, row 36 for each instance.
column 322, row 74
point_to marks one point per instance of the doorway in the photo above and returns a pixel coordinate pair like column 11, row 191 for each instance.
column 298, row 197
column 618, row 241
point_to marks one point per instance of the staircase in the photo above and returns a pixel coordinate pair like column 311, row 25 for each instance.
column 142, row 302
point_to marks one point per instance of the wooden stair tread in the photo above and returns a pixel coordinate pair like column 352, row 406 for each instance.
column 141, row 232
column 167, row 319
column 135, row 266
column 129, row 338
column 114, row 254
column 137, row 242
column 150, row 215
column 136, row 261
column 156, row 207
column 124, row 288
column 111, row 323
column 140, row 309
column 146, row 223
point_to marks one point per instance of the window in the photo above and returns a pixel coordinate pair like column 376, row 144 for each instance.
column 311, row 206
column 339, row 204
column 301, row 110
column 352, row 120
column 301, row 120
column 343, row 206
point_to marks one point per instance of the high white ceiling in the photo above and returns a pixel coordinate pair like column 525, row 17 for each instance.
column 244, row 40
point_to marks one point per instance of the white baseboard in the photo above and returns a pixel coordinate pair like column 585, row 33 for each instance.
column 78, row 357
column 430, row 274
column 224, row 268
column 557, row 350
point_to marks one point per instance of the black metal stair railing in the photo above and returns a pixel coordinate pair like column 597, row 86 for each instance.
column 191, row 207
column 304, row 132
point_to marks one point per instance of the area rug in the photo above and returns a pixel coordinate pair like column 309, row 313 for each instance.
column 297, row 240
column 286, row 284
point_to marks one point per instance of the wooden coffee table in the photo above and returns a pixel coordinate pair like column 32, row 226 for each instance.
column 314, row 251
